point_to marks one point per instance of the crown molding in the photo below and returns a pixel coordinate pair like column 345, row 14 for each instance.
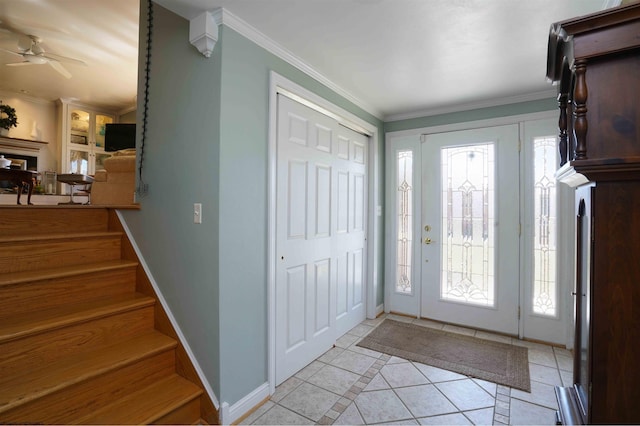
column 127, row 109
column 25, row 97
column 76, row 103
column 228, row 19
column 536, row 96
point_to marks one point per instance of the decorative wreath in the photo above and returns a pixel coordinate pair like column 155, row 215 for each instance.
column 8, row 118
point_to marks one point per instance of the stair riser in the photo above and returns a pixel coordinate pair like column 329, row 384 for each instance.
column 33, row 255
column 190, row 410
column 31, row 352
column 38, row 221
column 38, row 295
column 79, row 400
column 172, row 399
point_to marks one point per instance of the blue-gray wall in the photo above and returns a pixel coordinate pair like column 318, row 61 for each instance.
column 180, row 167
column 207, row 142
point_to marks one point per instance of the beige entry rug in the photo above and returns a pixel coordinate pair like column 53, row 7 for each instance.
column 484, row 359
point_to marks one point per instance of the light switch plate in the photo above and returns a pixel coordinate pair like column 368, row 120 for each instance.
column 197, row 213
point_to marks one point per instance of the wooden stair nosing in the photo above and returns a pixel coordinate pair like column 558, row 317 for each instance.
column 147, row 405
column 30, row 323
column 43, row 381
column 58, row 237
column 13, row 278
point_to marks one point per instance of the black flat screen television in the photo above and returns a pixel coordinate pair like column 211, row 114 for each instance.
column 119, row 136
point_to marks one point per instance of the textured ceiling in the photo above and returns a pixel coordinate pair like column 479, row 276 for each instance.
column 396, row 58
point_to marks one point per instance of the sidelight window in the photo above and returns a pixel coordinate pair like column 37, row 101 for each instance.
column 545, row 223
column 404, row 209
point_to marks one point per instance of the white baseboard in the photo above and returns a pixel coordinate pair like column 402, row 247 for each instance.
column 229, row 414
column 379, row 309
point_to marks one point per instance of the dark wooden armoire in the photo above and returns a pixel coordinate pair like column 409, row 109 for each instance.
column 595, row 61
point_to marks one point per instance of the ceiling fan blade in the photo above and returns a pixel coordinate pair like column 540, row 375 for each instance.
column 58, row 67
column 19, row 64
column 64, row 59
column 10, row 51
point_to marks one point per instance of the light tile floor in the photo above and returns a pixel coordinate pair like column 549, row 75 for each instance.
column 350, row 385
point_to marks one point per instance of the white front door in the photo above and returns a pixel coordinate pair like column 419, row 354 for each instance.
column 470, row 228
column 321, row 188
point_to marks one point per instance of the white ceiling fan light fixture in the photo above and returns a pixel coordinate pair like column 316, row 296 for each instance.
column 32, row 53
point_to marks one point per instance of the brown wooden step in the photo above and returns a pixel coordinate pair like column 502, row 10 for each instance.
column 30, row 253
column 77, row 385
column 41, row 289
column 38, row 220
column 172, row 400
column 90, row 334
column 31, row 323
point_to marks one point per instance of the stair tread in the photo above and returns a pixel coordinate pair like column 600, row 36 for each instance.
column 65, row 271
column 146, row 405
column 36, row 383
column 55, row 236
column 29, row 323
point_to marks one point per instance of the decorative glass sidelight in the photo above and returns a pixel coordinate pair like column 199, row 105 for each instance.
column 404, row 209
column 545, row 221
column 467, row 224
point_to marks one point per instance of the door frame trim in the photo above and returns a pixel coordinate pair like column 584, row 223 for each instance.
column 281, row 85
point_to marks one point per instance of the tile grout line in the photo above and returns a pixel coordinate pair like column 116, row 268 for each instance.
column 502, row 405
column 354, row 390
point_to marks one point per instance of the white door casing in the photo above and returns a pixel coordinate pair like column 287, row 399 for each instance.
column 321, row 223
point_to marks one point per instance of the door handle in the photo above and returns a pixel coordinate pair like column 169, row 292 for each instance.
column 428, row 240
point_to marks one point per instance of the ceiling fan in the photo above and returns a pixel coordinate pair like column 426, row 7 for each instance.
column 33, row 54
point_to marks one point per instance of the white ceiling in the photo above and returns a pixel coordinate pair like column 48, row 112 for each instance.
column 102, row 33
column 396, row 58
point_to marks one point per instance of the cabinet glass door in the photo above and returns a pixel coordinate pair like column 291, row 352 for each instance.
column 79, row 127
column 101, row 122
column 78, row 162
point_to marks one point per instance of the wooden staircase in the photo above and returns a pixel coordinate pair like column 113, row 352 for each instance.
column 83, row 339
